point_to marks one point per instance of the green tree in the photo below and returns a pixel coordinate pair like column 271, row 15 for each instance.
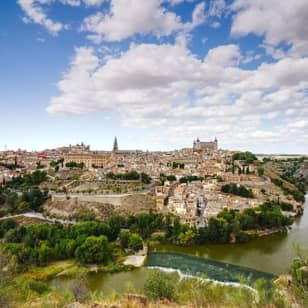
column 12, row 201
column 260, row 170
column 160, row 285
column 135, row 242
column 124, row 238
column 94, row 250
column 187, row 238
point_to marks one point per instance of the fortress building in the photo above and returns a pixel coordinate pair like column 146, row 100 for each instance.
column 206, row 146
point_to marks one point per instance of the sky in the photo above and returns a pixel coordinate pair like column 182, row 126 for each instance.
column 155, row 73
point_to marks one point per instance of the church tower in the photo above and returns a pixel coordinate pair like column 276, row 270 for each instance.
column 115, row 145
column 216, row 143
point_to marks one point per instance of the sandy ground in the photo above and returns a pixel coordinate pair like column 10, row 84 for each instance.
column 136, row 261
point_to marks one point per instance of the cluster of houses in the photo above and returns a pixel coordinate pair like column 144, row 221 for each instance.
column 194, row 201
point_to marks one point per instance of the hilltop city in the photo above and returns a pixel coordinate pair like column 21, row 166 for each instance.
column 193, row 183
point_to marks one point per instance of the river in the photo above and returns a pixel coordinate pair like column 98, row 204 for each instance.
column 271, row 254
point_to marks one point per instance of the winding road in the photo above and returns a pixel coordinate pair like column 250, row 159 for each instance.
column 41, row 217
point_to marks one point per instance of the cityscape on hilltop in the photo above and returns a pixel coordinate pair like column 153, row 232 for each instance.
column 154, row 153
column 185, row 182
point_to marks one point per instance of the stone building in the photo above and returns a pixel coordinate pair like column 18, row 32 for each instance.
column 207, row 146
column 89, row 159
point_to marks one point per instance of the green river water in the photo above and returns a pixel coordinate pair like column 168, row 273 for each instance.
column 271, row 254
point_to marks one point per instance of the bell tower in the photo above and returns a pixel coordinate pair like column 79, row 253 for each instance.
column 115, row 145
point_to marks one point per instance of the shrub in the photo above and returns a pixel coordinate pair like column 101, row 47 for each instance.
column 160, row 285
column 135, row 242
column 124, row 238
column 94, row 250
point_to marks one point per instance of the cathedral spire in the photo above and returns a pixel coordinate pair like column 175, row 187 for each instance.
column 115, row 145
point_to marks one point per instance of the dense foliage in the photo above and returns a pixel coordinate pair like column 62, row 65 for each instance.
column 299, row 272
column 39, row 244
column 297, row 194
column 23, row 194
column 130, row 176
column 176, row 165
column 73, row 164
column 161, row 285
column 247, row 156
column 237, row 189
column 191, row 178
column 93, row 241
column 27, row 180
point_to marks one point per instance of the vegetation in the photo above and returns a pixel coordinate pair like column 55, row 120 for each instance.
column 191, row 178
column 93, row 241
column 95, row 249
column 286, row 206
column 23, row 194
column 13, row 166
column 299, row 272
column 130, row 176
column 237, row 189
column 161, row 285
column 176, row 165
column 298, row 195
column 171, row 178
column 73, row 164
column 260, row 171
column 247, row 156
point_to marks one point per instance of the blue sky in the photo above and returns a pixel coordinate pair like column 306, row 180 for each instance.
column 156, row 73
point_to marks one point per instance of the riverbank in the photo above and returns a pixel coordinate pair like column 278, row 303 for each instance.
column 172, row 289
column 138, row 259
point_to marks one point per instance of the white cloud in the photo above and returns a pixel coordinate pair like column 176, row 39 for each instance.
column 35, row 13
column 225, row 55
column 128, row 17
column 176, row 2
column 93, row 2
column 217, row 7
column 167, row 87
column 278, row 21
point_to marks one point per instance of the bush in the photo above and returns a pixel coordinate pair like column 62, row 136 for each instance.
column 135, row 242
column 94, row 250
column 36, row 286
column 160, row 285
column 286, row 206
column 238, row 190
column 124, row 238
column 247, row 156
column 260, row 171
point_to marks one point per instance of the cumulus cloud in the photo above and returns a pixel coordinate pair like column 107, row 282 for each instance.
column 35, row 13
column 278, row 21
column 166, row 86
column 225, row 55
column 128, row 17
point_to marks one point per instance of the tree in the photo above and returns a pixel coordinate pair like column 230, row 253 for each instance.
column 44, row 254
column 12, row 200
column 260, row 171
column 135, row 242
column 124, row 238
column 115, row 224
column 171, row 178
column 218, row 230
column 160, row 285
column 187, row 238
column 94, row 250
column 247, row 156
